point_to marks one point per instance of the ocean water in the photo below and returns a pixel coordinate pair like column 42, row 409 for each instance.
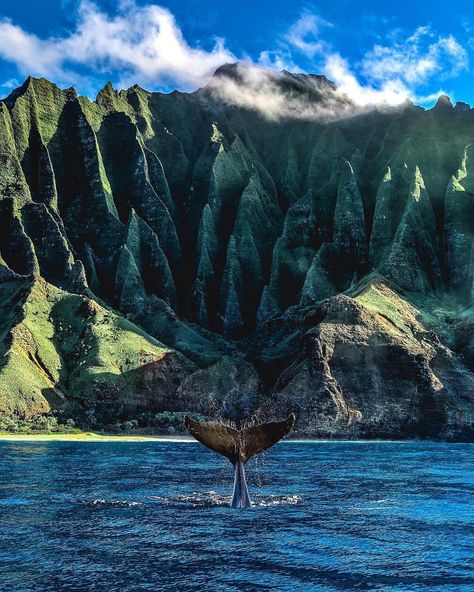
column 136, row 517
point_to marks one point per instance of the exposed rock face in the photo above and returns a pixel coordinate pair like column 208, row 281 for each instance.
column 322, row 265
column 230, row 388
column 413, row 260
column 370, row 368
column 459, row 226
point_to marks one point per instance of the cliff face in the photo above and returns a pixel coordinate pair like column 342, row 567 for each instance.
column 176, row 253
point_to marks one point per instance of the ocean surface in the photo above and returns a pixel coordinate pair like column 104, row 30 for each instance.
column 136, row 517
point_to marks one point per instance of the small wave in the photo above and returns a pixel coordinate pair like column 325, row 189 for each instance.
column 374, row 505
column 204, row 498
column 277, row 500
column 212, row 498
column 110, row 503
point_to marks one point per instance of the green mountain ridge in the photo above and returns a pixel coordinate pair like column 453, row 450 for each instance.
column 176, row 252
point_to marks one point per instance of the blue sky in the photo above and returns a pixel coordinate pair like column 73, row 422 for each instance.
column 374, row 51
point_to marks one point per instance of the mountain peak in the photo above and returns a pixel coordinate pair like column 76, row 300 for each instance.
column 42, row 85
column 443, row 104
column 298, row 81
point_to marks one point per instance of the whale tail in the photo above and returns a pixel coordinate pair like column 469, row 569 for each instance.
column 239, row 446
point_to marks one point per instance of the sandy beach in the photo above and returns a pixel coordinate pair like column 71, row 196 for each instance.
column 92, row 437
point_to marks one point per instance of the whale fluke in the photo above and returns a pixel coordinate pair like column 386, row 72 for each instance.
column 263, row 436
column 219, row 438
column 239, row 446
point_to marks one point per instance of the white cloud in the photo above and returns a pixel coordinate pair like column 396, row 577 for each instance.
column 387, row 74
column 392, row 92
column 10, row 83
column 28, row 52
column 468, row 27
column 143, row 42
column 262, row 89
column 304, row 34
column 277, row 60
column 416, row 59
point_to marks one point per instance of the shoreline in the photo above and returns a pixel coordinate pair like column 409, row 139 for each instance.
column 98, row 437
column 92, row 437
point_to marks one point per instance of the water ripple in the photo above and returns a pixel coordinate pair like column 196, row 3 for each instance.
column 327, row 517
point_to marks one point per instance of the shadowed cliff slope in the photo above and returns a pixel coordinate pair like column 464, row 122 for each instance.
column 323, row 264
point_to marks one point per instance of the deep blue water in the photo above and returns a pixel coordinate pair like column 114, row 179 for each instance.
column 133, row 517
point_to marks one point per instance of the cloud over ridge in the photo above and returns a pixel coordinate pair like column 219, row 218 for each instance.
column 144, row 44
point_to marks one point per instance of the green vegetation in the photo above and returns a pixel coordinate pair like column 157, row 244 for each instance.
column 155, row 423
column 68, row 351
column 42, row 424
column 378, row 298
column 166, row 423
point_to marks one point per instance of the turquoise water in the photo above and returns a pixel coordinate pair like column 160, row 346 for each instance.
column 133, row 517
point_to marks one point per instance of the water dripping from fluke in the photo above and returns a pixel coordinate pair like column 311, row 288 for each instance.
column 238, row 446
